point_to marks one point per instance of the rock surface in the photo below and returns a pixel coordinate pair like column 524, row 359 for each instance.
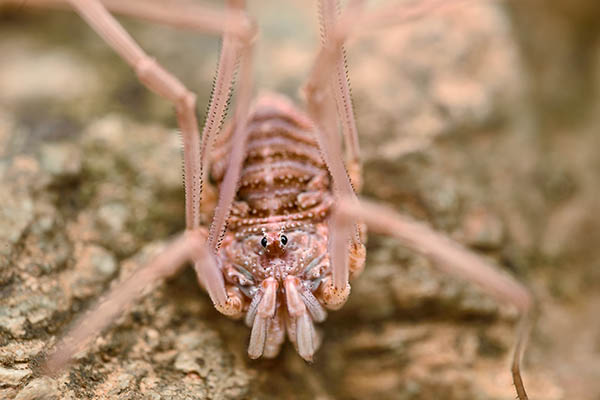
column 90, row 188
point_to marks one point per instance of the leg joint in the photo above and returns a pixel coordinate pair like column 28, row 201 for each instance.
column 186, row 101
column 241, row 26
column 145, row 68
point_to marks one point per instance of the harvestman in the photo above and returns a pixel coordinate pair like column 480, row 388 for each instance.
column 278, row 251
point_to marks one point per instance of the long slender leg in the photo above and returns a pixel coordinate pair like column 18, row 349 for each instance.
column 233, row 304
column 186, row 248
column 321, row 108
column 394, row 14
column 230, row 54
column 459, row 261
column 162, row 82
column 354, row 22
column 320, row 104
column 179, row 13
column 341, row 89
column 237, row 153
column 189, row 246
column 451, row 258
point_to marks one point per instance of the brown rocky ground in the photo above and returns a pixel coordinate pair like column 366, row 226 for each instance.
column 463, row 124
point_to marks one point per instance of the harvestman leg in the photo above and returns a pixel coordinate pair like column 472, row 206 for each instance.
column 191, row 246
column 321, row 108
column 185, row 14
column 183, row 249
column 451, row 257
column 230, row 182
column 341, row 90
column 238, row 151
column 326, row 69
column 329, row 78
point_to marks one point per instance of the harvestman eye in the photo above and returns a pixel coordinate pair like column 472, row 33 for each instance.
column 264, row 242
column 284, row 240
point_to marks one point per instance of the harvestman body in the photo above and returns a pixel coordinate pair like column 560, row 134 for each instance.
column 284, row 241
column 274, row 254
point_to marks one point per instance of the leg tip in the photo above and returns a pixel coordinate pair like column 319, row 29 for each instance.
column 333, row 297
column 231, row 308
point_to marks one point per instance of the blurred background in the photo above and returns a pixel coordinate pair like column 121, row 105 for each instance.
column 481, row 120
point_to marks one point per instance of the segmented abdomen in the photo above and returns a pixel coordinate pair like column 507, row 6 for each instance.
column 283, row 178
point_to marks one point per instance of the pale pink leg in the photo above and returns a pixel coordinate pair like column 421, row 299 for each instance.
column 354, row 22
column 230, row 53
column 341, row 89
column 456, row 260
column 183, row 14
column 394, row 14
column 237, row 155
column 229, row 303
column 160, row 81
column 321, row 108
column 189, row 246
column 452, row 258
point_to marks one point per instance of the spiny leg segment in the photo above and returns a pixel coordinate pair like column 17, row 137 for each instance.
column 321, row 107
column 340, row 85
column 232, row 305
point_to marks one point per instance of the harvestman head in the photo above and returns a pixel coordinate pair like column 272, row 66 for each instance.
column 278, row 269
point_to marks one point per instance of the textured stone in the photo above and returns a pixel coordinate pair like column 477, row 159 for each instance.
column 13, row 377
column 449, row 136
column 61, row 159
column 39, row 389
